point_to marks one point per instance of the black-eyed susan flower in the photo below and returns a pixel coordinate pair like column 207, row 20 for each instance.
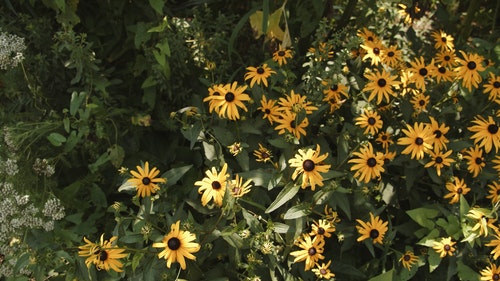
column 484, row 221
column 367, row 164
column 373, row 51
column 439, row 132
column 492, row 88
column 475, row 160
column 418, row 140
column 374, row 229
column 323, row 228
column 262, row 154
column 494, row 192
column 456, row 188
column 391, row 56
column 444, row 247
column 336, row 90
column 238, row 188
column 487, row 133
column 496, row 244
column 309, row 163
column 380, row 85
column 281, row 55
column 367, row 35
column 420, row 72
column 296, row 103
column 468, row 70
column 446, row 58
column 178, row 245
column 496, row 161
column 384, row 139
column 420, row 102
column 444, row 74
column 442, row 41
column 312, row 250
column 439, row 159
column 258, row 74
column 145, row 181
column 235, row 148
column 490, row 273
column 214, row 92
column 231, row 99
column 334, row 101
column 104, row 255
column 408, row 259
column 288, row 123
column 269, row 108
column 323, row 270
column 213, row 186
column 389, row 156
column 370, row 121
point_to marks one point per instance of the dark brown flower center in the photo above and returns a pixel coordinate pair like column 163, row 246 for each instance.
column 146, row 180
column 471, row 65
column 374, row 233
column 323, row 271
column 478, row 160
column 390, row 54
column 103, row 255
column 447, row 58
column 443, row 39
column 459, row 190
column 442, row 70
column 423, row 71
column 321, row 231
column 419, row 141
column 216, row 185
column 267, row 110
column 292, row 124
column 406, row 257
column 381, row 82
column 334, row 88
column 370, row 38
column 447, row 247
column 496, row 84
column 439, row 160
column 421, row 102
column 371, row 162
column 229, row 97
column 174, row 243
column 371, row 120
column 311, row 251
column 496, row 276
column 376, row 51
column 384, row 137
column 260, row 70
column 492, row 129
column 281, row 53
column 264, row 155
column 308, row 165
column 437, row 134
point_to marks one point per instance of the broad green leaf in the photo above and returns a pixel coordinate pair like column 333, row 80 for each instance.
column 298, row 211
column 157, row 5
column 56, row 139
column 175, row 174
column 100, row 161
column 386, row 276
column 72, row 141
column 259, row 177
column 424, row 216
column 430, row 238
column 66, row 124
column 136, row 260
column 281, row 227
column 284, row 196
column 116, row 155
column 76, row 102
column 466, row 273
column 434, row 260
column 98, row 197
column 243, row 161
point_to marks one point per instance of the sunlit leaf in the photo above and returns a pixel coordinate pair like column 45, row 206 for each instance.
column 284, row 196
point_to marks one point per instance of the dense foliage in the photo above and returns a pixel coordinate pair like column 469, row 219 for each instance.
column 249, row 140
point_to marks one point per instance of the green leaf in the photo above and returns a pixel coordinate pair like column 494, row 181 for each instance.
column 71, row 142
column 66, row 124
column 424, row 216
column 76, row 102
column 284, row 196
column 243, row 161
column 298, row 211
column 56, row 139
column 281, row 227
column 116, row 155
column 466, row 273
column 157, row 5
column 100, row 161
column 98, row 197
column 136, row 260
column 175, row 174
column 386, row 276
column 434, row 260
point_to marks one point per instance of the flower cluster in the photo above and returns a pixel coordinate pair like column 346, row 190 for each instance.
column 11, row 50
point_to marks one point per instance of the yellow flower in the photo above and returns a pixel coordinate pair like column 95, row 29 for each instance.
column 483, row 222
column 493, row 88
column 443, row 73
column 262, row 154
column 373, row 51
column 490, row 273
column 446, row 58
column 368, row 164
column 213, row 186
column 439, row 131
column 235, row 148
column 310, row 164
column 445, row 247
column 323, row 228
column 104, row 255
column 475, row 160
column 494, row 192
column 231, row 98
column 177, row 246
column 456, row 188
column 495, row 243
column 391, row 56
column 408, row 259
column 367, row 35
column 487, row 133
column 288, row 122
column 442, row 40
column 418, row 140
column 312, row 250
column 497, row 162
column 419, row 72
column 374, row 229
column 380, row 85
column 385, row 139
column 269, row 108
column 296, row 103
column 323, row 271
column 420, row 102
column 238, row 188
column 468, row 70
column 214, row 93
column 371, row 121
column 439, row 160
column 258, row 74
column 145, row 181
column 281, row 55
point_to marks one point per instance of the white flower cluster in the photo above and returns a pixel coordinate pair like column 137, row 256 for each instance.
column 9, row 167
column 43, row 168
column 11, row 50
column 18, row 214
